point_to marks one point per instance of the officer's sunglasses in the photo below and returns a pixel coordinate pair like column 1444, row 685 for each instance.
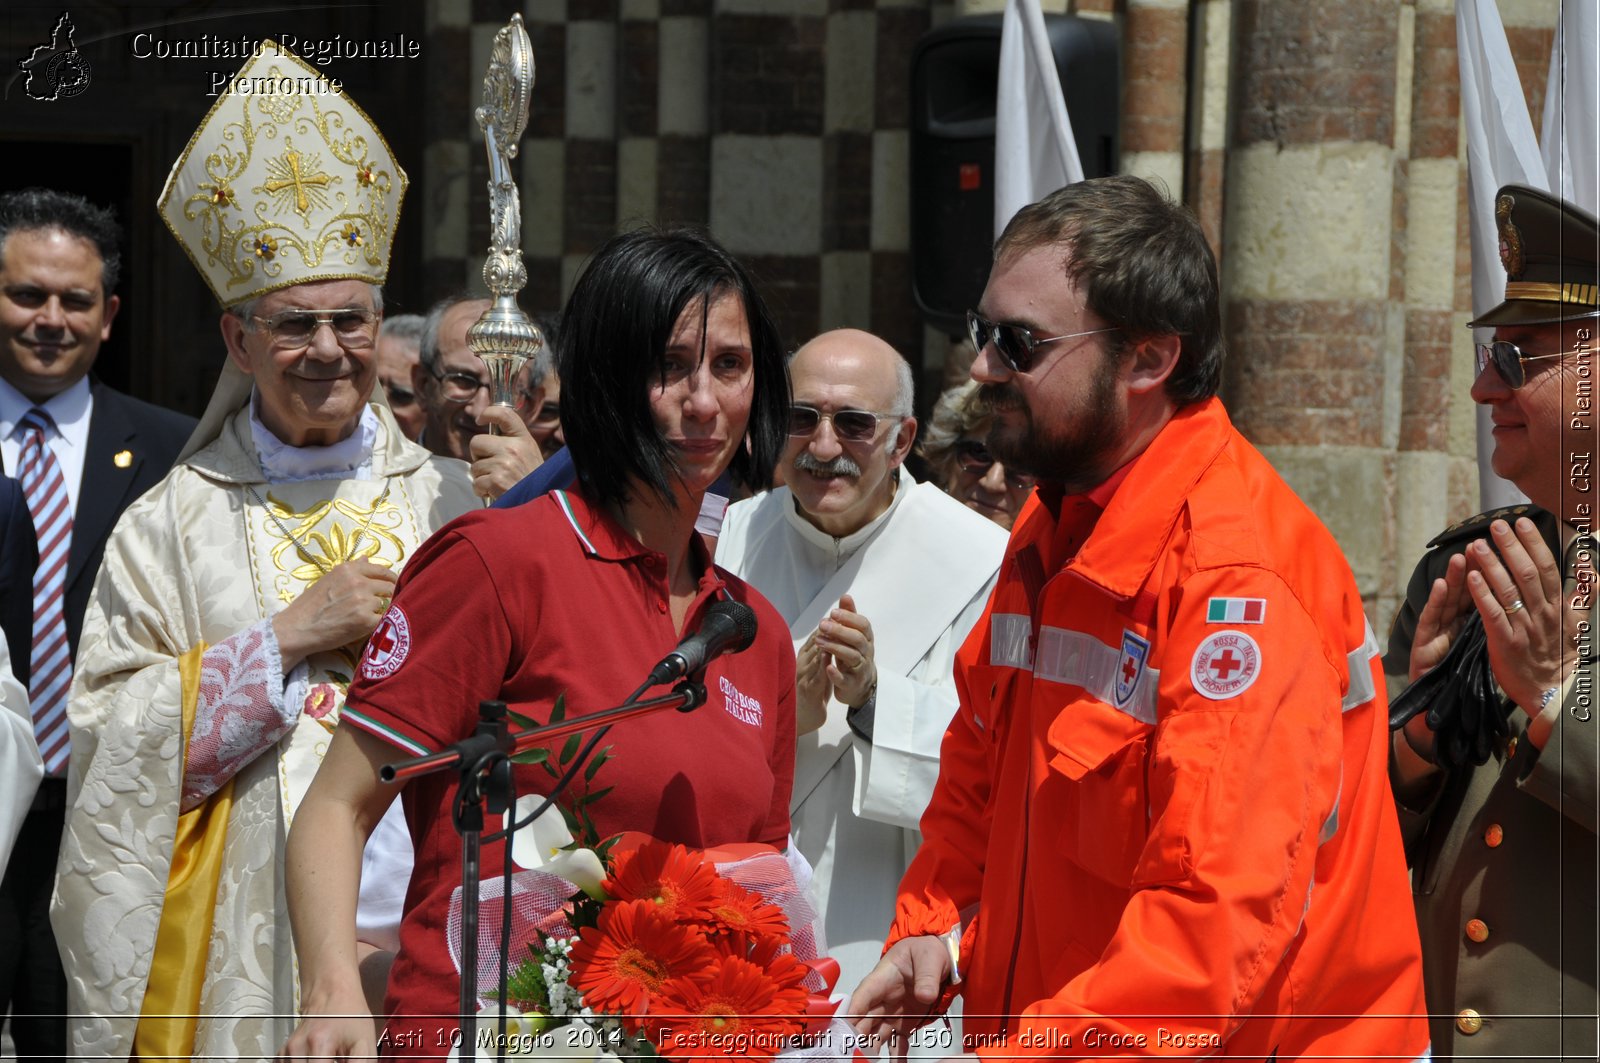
column 1508, row 361
column 1015, row 345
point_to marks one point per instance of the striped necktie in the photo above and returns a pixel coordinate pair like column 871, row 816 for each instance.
column 51, row 673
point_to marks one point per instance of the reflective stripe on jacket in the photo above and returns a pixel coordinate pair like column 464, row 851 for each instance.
column 1165, row 796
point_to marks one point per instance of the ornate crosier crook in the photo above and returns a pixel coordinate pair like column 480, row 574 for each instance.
column 505, row 337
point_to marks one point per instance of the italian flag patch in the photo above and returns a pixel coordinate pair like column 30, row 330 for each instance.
column 1236, row 611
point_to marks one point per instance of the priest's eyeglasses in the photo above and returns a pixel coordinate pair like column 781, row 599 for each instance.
column 1508, row 361
column 353, row 326
column 1016, row 346
column 854, row 426
column 974, row 458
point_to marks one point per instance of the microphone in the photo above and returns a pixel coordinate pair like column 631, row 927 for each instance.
column 728, row 628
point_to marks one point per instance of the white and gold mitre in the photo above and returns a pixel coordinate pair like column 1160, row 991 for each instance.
column 286, row 181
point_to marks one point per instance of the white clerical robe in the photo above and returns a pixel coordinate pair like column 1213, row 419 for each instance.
column 921, row 574
column 193, row 562
column 20, row 766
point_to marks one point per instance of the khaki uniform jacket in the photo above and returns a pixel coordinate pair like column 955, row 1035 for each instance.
column 1509, row 848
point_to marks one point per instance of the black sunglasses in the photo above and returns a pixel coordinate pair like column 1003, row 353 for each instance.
column 856, row 426
column 1508, row 358
column 1015, row 344
column 973, row 457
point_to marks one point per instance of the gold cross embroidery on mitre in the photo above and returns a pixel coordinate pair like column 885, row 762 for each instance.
column 293, row 178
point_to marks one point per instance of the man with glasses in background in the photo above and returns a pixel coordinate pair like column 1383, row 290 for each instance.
column 1496, row 780
column 880, row 578
column 399, row 351
column 541, row 394
column 452, row 385
column 1162, row 823
column 234, row 601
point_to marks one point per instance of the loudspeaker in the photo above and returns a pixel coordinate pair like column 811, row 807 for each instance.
column 954, row 71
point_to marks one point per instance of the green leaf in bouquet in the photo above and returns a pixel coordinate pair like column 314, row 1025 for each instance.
column 532, row 756
column 527, row 723
column 595, row 762
column 558, row 711
column 595, row 795
column 574, row 826
column 570, row 750
column 525, row 988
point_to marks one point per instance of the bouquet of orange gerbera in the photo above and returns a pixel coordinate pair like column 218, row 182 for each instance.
column 653, row 950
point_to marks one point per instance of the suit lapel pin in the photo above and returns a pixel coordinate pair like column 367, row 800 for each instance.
column 122, row 459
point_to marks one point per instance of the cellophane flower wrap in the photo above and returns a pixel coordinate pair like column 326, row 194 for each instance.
column 655, row 951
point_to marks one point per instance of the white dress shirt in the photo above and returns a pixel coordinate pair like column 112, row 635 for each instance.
column 69, row 442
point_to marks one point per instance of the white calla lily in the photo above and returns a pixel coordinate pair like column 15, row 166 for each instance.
column 542, row 846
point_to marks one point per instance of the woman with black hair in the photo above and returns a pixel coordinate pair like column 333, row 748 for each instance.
column 671, row 372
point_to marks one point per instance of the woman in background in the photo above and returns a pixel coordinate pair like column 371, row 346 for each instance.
column 953, row 446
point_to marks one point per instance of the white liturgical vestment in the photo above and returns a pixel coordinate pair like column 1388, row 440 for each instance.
column 20, row 766
column 216, row 548
column 921, row 573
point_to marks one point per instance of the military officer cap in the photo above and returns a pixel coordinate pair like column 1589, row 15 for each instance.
column 1551, row 253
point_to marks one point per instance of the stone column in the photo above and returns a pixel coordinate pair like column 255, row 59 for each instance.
column 1155, row 91
column 1435, row 474
column 1311, row 268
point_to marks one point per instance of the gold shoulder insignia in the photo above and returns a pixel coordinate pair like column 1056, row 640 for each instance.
column 1477, row 526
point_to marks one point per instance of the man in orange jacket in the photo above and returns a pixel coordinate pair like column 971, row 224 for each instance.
column 1162, row 823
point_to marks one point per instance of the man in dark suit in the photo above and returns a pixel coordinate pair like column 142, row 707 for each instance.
column 78, row 448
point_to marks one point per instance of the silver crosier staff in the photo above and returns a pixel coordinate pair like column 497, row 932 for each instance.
column 505, row 337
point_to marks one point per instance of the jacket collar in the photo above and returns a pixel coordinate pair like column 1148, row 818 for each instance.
column 1140, row 516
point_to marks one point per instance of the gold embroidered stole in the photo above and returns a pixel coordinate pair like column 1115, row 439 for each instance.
column 328, row 523
column 171, row 1006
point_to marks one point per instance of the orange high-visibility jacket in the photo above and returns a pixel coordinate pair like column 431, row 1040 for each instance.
column 1165, row 795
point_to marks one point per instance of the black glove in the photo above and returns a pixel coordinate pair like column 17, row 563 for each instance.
column 1465, row 711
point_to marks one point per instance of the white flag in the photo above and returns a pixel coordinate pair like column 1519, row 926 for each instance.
column 1034, row 151
column 1501, row 150
column 1570, row 136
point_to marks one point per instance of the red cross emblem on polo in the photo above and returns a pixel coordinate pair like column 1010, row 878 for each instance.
column 388, row 646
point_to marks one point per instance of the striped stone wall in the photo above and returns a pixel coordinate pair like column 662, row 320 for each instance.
column 1318, row 143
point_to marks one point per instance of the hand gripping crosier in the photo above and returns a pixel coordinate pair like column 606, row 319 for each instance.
column 505, row 337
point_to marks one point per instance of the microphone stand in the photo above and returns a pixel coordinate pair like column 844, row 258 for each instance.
column 483, row 763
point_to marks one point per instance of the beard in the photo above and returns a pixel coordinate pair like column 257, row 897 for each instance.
column 1075, row 448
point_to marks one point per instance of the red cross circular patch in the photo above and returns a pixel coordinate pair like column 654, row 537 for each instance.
column 1225, row 665
column 388, row 646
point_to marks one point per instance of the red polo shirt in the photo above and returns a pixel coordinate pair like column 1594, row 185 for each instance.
column 549, row 599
